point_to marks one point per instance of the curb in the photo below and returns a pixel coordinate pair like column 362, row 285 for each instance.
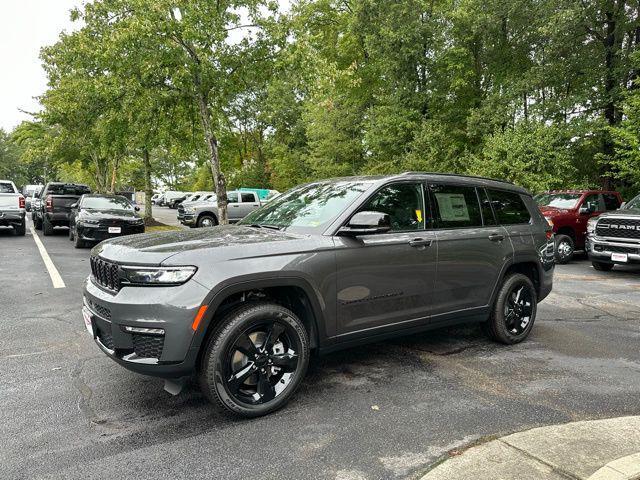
column 586, row 450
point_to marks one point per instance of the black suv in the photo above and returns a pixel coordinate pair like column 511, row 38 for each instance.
column 327, row 265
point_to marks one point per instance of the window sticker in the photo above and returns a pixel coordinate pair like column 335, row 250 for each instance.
column 453, row 207
column 419, row 216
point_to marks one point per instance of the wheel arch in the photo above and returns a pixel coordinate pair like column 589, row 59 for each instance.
column 291, row 292
column 568, row 231
column 526, row 266
column 207, row 213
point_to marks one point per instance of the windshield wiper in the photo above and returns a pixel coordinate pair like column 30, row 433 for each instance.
column 264, row 225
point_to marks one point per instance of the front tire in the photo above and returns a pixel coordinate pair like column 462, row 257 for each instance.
column 207, row 221
column 77, row 241
column 514, row 310
column 565, row 249
column 255, row 360
column 601, row 266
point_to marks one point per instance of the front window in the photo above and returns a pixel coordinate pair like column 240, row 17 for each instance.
column 308, row 208
column 106, row 203
column 558, row 200
column 403, row 202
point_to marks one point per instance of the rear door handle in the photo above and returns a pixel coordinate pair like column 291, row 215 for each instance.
column 496, row 237
column 420, row 242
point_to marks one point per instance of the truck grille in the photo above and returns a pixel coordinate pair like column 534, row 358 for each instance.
column 106, row 274
column 181, row 209
column 618, row 228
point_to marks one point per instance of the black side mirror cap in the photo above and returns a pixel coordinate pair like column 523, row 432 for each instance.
column 367, row 223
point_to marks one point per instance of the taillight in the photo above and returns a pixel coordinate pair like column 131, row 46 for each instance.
column 20, row 202
column 49, row 204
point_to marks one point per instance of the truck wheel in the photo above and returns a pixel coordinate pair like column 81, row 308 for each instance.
column 21, row 229
column 601, row 266
column 207, row 221
column 47, row 228
column 37, row 223
column 514, row 310
column 255, row 360
column 565, row 249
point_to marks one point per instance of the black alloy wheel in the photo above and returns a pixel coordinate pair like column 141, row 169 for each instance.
column 514, row 310
column 256, row 360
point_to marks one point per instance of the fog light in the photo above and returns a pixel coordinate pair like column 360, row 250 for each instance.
column 144, row 331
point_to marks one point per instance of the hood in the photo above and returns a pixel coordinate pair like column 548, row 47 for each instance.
column 553, row 211
column 155, row 248
column 632, row 212
column 108, row 215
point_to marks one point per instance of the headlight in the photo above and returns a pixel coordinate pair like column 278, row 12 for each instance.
column 137, row 221
column 88, row 221
column 189, row 210
column 157, row 275
column 591, row 225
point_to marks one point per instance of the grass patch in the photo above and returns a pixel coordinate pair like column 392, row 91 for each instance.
column 160, row 228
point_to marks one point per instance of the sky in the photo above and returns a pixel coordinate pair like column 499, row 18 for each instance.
column 25, row 27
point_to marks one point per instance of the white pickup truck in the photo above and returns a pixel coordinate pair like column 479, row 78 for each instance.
column 12, row 211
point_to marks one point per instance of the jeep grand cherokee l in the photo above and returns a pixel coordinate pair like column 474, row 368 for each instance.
column 327, row 265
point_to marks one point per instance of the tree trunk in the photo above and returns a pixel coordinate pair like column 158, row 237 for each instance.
column 148, row 190
column 214, row 160
column 114, row 175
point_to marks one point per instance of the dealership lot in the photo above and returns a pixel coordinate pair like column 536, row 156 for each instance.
column 382, row 411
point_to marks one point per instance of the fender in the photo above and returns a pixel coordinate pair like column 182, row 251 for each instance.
column 513, row 260
column 249, row 282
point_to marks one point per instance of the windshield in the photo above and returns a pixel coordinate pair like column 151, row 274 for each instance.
column 309, row 207
column 558, row 200
column 106, row 203
column 633, row 203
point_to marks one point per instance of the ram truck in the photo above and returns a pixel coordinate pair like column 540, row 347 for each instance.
column 12, row 211
column 54, row 208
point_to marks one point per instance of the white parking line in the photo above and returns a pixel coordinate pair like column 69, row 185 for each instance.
column 56, row 279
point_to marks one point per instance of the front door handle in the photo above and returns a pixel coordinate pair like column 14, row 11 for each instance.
column 496, row 237
column 420, row 242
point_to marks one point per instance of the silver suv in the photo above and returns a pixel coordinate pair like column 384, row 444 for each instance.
column 325, row 266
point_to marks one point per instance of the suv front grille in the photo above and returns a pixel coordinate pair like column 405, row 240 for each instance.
column 148, row 346
column 106, row 274
column 618, row 228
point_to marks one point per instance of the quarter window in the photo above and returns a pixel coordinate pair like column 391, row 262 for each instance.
column 509, row 207
column 456, row 206
column 403, row 202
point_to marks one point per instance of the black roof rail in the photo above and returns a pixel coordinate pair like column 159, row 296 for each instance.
column 457, row 175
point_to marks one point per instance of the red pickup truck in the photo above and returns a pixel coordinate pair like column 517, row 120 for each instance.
column 568, row 211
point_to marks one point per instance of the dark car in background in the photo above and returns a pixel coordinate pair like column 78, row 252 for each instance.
column 568, row 212
column 54, row 208
column 325, row 266
column 98, row 217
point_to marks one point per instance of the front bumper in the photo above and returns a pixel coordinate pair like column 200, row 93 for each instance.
column 172, row 309
column 600, row 250
column 98, row 233
column 188, row 219
column 10, row 218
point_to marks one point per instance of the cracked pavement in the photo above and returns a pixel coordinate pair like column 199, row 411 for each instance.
column 67, row 411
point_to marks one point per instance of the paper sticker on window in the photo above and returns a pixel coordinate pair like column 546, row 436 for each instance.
column 453, row 207
column 419, row 216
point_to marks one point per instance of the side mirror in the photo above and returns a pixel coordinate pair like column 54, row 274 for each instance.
column 74, row 205
column 367, row 223
column 136, row 208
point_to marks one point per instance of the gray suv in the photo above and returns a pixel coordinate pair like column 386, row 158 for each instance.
column 325, row 266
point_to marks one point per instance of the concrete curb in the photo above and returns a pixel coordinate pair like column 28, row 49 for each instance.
column 577, row 451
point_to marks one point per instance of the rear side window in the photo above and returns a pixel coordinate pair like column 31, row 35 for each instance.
column 509, row 207
column 6, row 188
column 456, row 206
column 68, row 189
column 485, row 204
column 248, row 197
column 611, row 201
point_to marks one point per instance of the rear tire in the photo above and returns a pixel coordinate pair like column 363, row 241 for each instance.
column 565, row 249
column 514, row 310
column 601, row 266
column 207, row 221
column 47, row 228
column 255, row 360
column 21, row 229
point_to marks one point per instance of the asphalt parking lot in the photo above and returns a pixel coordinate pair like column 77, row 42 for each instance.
column 387, row 410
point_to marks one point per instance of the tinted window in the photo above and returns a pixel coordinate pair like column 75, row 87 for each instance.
column 232, row 197
column 6, row 188
column 106, row 203
column 68, row 189
column 403, row 202
column 485, row 204
column 611, row 201
column 509, row 207
column 456, row 207
column 248, row 197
